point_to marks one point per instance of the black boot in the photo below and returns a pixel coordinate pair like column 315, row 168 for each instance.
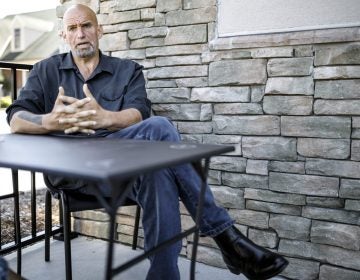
column 241, row 255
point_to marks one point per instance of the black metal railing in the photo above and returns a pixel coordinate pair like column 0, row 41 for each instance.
column 18, row 243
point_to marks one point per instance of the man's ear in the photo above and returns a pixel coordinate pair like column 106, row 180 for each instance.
column 100, row 31
column 62, row 35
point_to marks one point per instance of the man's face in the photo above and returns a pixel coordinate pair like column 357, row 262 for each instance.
column 82, row 32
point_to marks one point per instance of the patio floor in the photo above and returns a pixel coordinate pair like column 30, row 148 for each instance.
column 88, row 263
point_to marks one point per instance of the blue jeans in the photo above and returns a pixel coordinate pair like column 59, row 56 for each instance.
column 158, row 195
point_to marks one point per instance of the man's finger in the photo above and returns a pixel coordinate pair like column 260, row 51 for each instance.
column 68, row 99
column 66, row 109
column 84, row 114
column 68, row 120
column 86, row 123
column 87, row 92
column 61, row 93
column 87, row 131
column 71, row 130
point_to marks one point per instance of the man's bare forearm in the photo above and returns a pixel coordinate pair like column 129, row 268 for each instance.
column 26, row 122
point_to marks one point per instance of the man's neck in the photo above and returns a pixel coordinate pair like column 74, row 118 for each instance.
column 87, row 65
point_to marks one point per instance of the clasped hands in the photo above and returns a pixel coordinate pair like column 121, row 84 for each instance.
column 77, row 115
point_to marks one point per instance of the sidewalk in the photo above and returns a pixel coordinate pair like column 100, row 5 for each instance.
column 88, row 262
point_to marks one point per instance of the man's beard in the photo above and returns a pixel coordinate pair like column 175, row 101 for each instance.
column 84, row 53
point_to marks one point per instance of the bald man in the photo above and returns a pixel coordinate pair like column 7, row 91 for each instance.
column 85, row 93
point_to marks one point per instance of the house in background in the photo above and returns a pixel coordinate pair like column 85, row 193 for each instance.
column 25, row 39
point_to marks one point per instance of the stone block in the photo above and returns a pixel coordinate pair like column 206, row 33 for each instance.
column 208, row 57
column 303, row 50
column 291, row 227
column 182, row 112
column 259, row 167
column 352, row 205
column 206, row 113
column 262, row 238
column 124, row 5
column 177, row 72
column 290, row 86
column 160, row 84
column 337, row 72
column 287, row 167
column 324, row 148
column 163, row 6
column 272, row 52
column 331, row 215
column 341, row 54
column 129, row 54
column 238, row 109
column 194, row 4
column 237, row 72
column 92, row 228
column 327, row 167
column 288, row 105
column 337, row 89
column 276, row 197
column 299, row 66
column 232, row 140
column 229, row 197
column 178, row 60
column 194, row 127
column 147, row 14
column 336, row 107
column 328, row 202
column 350, row 188
column 220, row 94
column 175, row 50
column 330, row 272
column 227, row 163
column 207, row 255
column 301, row 269
column 273, row 207
column 195, row 16
column 344, row 236
column 169, row 95
column 270, row 148
column 192, row 82
column 238, row 180
column 251, row 218
column 324, row 253
column 121, row 17
column 247, row 125
column 316, row 126
column 114, row 42
column 355, row 150
column 257, row 93
column 146, row 42
column 189, row 34
column 304, row 184
column 153, row 32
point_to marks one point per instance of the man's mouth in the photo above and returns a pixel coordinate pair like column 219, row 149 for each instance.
column 83, row 44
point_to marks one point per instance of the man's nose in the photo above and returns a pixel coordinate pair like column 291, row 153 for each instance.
column 80, row 32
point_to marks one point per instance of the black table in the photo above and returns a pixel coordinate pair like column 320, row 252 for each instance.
column 111, row 161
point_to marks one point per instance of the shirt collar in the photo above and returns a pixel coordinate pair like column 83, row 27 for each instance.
column 104, row 63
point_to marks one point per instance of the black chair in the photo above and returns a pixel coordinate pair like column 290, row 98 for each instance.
column 71, row 201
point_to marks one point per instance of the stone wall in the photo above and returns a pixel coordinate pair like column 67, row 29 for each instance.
column 290, row 106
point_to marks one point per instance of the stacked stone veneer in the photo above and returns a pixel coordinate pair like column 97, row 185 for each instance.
column 292, row 111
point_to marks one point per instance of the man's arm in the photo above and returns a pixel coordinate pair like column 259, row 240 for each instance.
column 26, row 122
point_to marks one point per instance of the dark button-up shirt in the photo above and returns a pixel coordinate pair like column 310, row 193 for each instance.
column 116, row 84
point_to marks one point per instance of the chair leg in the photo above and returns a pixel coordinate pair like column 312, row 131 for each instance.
column 136, row 227
column 48, row 224
column 67, row 231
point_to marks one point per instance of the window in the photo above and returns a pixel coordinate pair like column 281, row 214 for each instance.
column 247, row 17
column 17, row 38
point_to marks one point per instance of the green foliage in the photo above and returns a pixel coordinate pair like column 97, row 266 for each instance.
column 5, row 101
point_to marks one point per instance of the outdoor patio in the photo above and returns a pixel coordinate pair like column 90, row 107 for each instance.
column 88, row 257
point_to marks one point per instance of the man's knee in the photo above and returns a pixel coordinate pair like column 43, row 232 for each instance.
column 161, row 129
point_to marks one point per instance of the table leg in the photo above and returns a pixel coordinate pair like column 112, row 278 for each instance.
column 203, row 171
column 15, row 180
